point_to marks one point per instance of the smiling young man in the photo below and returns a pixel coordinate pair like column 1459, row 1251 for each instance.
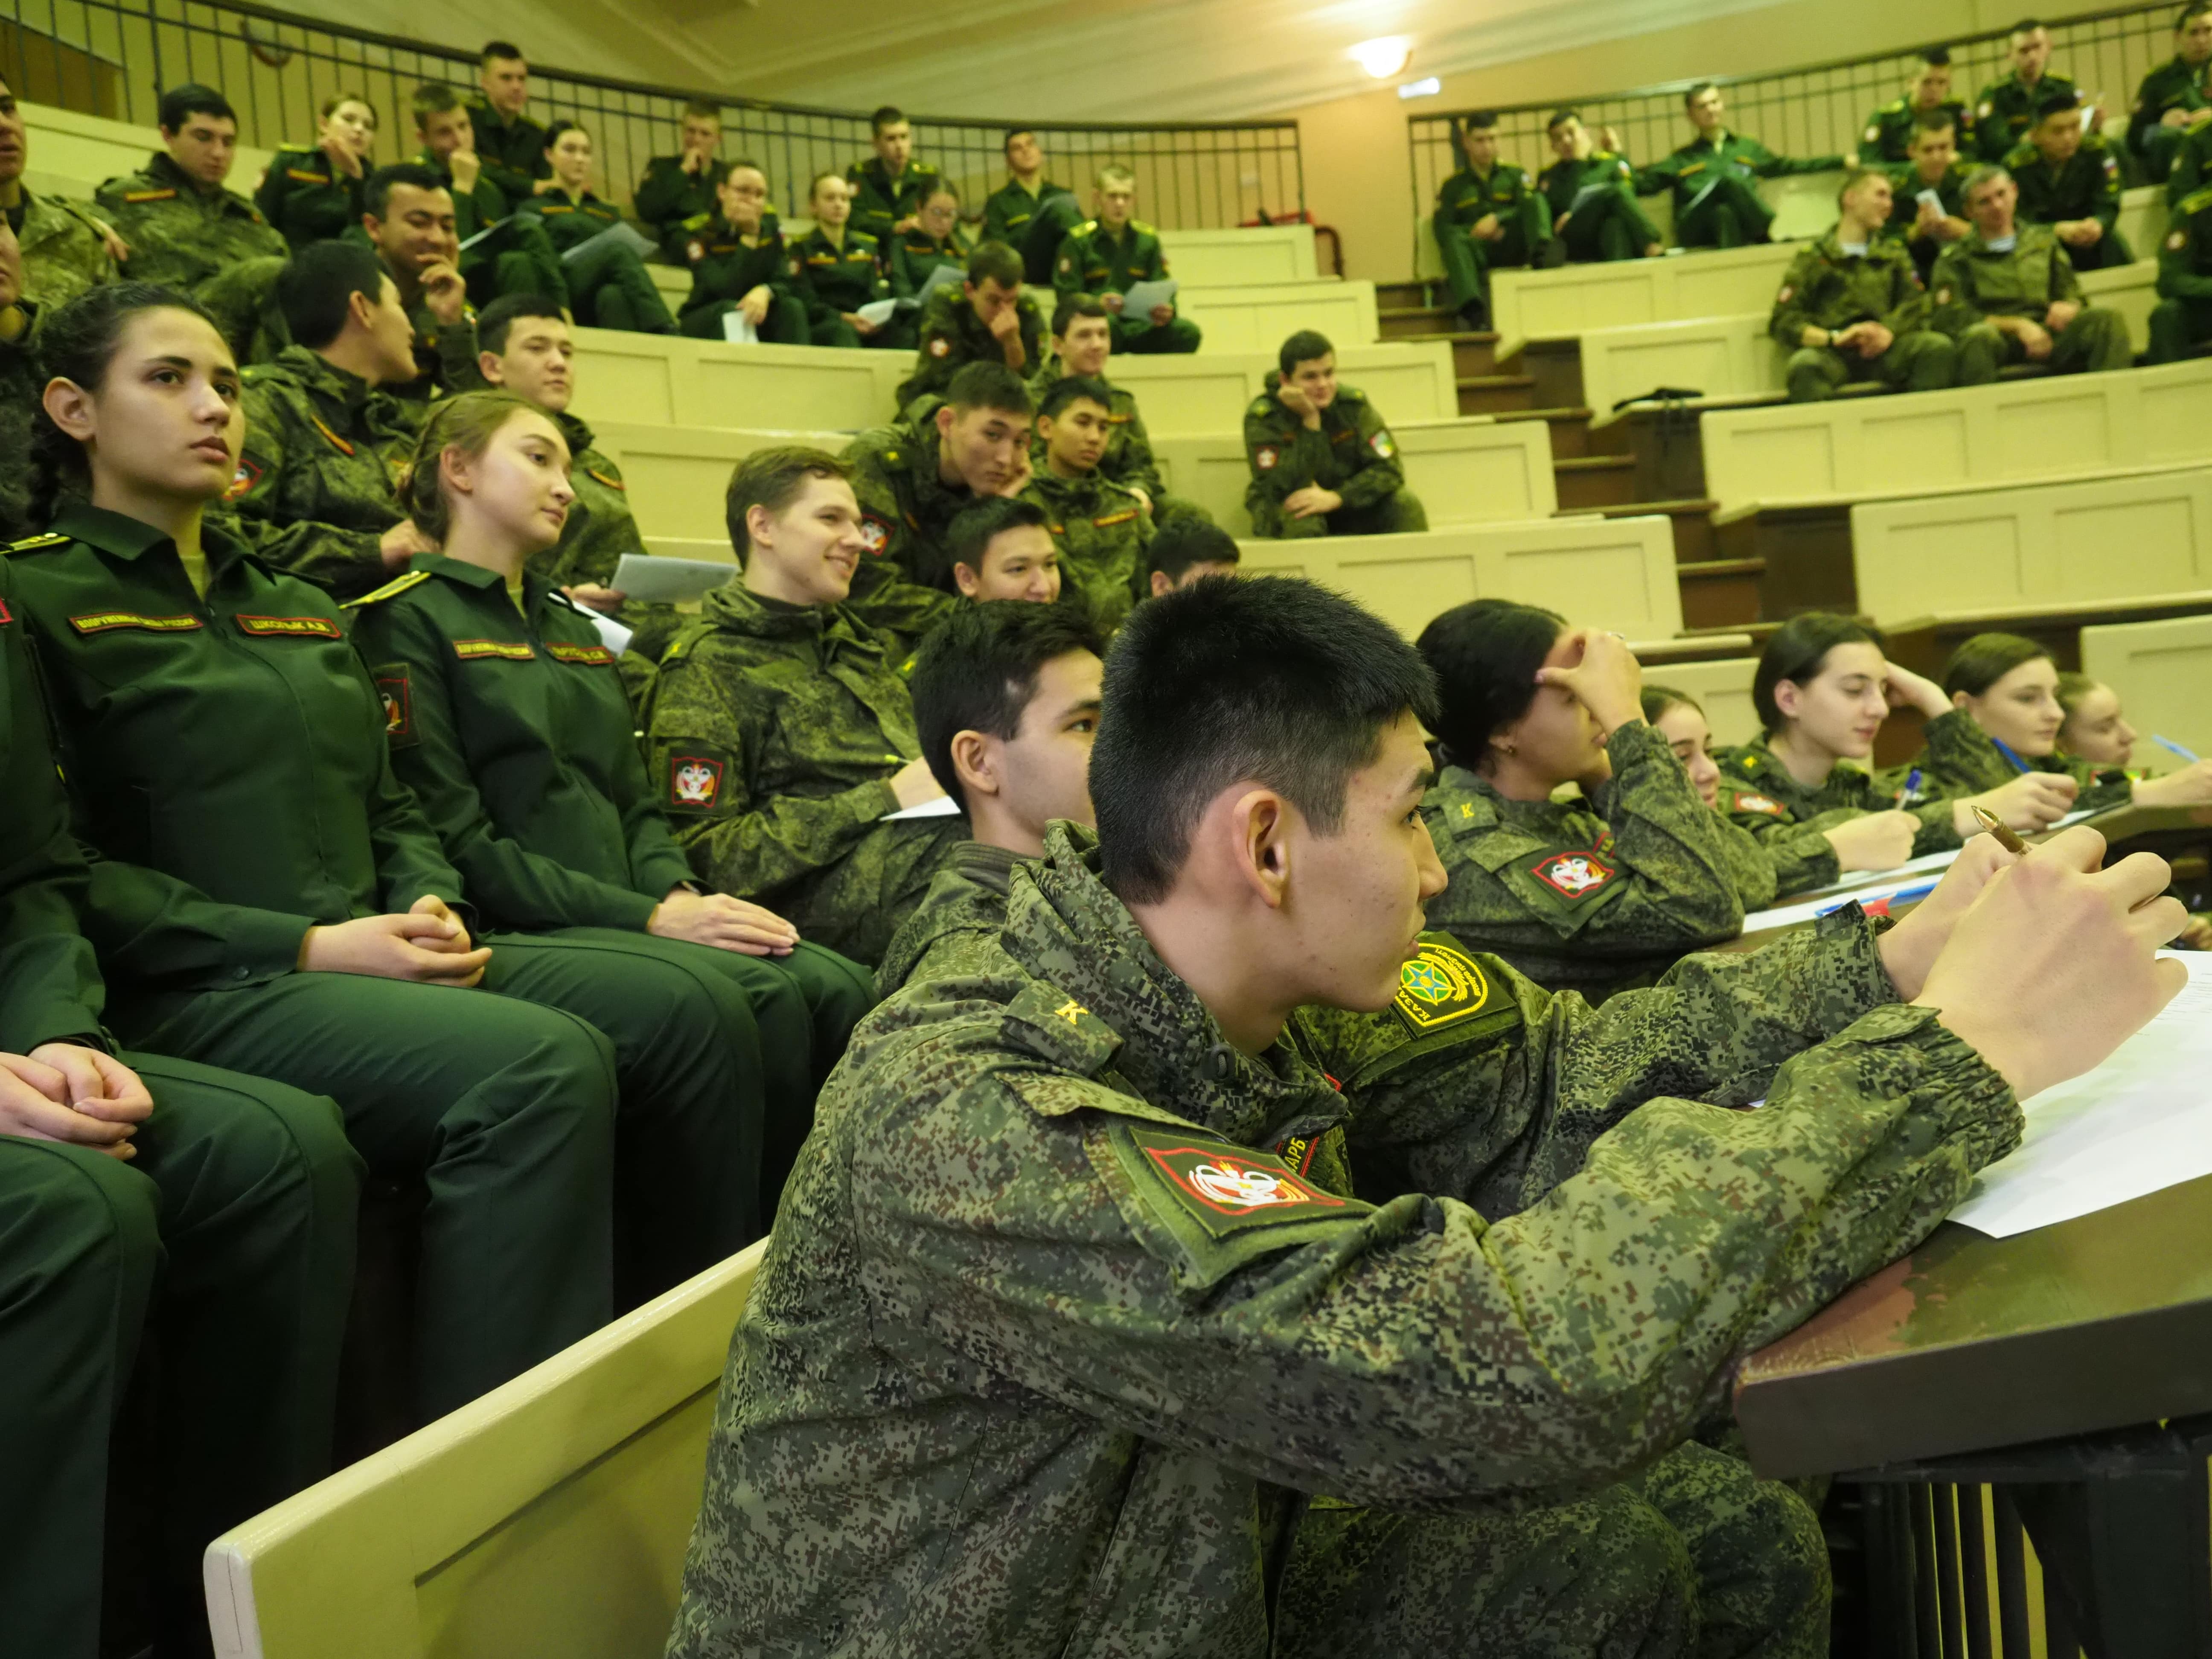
column 409, row 218
column 1322, row 458
column 1261, row 1271
column 1000, row 549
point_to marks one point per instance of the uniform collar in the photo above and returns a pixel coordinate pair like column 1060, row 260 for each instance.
column 461, row 571
column 737, row 609
column 988, row 866
column 126, row 537
column 319, row 374
column 163, row 170
column 573, row 432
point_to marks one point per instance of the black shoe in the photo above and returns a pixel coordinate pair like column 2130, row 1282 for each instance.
column 1474, row 316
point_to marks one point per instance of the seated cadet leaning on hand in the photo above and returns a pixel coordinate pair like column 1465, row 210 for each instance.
column 1214, row 1169
column 740, row 264
column 510, row 253
column 1101, row 528
column 1851, row 306
column 1006, row 703
column 988, row 320
column 677, row 196
column 1822, row 689
column 1323, row 462
column 778, row 735
column 1714, row 177
column 2007, row 293
column 409, row 218
column 2070, row 180
column 1594, row 895
column 313, row 193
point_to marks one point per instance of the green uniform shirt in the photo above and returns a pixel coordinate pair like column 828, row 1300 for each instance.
column 1758, row 792
column 1128, row 458
column 953, row 334
column 1009, row 211
column 517, row 738
column 1692, row 170
column 1136, row 1292
column 2174, row 84
column 64, row 252
column 958, row 920
column 318, row 478
column 1352, row 452
column 1973, row 281
column 1905, row 184
column 486, row 206
column 725, row 267
column 513, row 151
column 2087, row 187
column 179, row 232
column 19, row 387
column 1958, row 759
column 1096, row 260
column 1467, row 197
column 675, row 204
column 571, row 221
column 1827, row 288
column 2185, row 257
column 906, row 508
column 1564, row 185
column 1589, row 896
column 225, row 756
column 446, row 355
column 1889, row 129
column 879, row 202
column 1102, row 531
column 916, row 253
column 2006, row 111
column 307, row 198
column 834, row 280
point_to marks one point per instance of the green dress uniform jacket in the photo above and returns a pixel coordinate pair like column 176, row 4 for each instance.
column 1352, row 453
column 772, row 733
column 1095, row 261
column 1009, row 211
column 958, row 920
column 1712, row 182
column 1467, row 199
column 64, row 252
column 2174, row 84
column 1589, row 896
column 1102, row 531
column 880, row 200
column 307, row 198
column 2183, row 316
column 608, row 287
column 1140, row 1293
column 2087, row 187
column 902, row 587
column 513, row 151
column 1959, row 759
column 318, row 478
column 1598, row 196
column 1758, row 792
column 2006, row 111
column 832, row 280
column 1888, row 136
column 724, row 268
column 517, row 258
column 951, row 334
column 676, row 205
column 915, row 254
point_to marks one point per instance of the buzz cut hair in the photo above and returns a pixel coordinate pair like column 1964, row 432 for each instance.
column 376, row 193
column 982, row 384
column 1939, row 119
column 2194, row 9
column 502, row 49
column 994, row 262
column 1560, row 118
column 1852, row 180
column 886, row 115
column 978, row 671
column 1007, row 142
column 1698, row 90
column 703, row 109
column 1073, row 306
column 1114, row 174
column 435, row 98
column 1936, row 58
column 2025, row 25
column 1185, row 539
column 1074, row 388
column 1481, row 121
column 497, row 320
column 772, row 478
column 1988, row 173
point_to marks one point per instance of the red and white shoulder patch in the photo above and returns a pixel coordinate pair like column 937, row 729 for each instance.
column 1747, row 801
column 875, row 534
column 1572, row 875
column 694, row 781
column 1265, row 458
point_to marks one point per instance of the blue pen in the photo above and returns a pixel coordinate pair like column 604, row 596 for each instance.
column 1910, row 792
column 2006, row 749
column 2172, row 747
column 1898, row 897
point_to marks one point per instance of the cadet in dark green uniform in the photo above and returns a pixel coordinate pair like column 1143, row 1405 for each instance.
column 2183, row 316
column 267, row 898
column 778, row 735
column 608, row 287
column 934, row 241
column 1888, row 135
column 888, row 189
column 1784, row 864
column 1595, row 895
column 2071, row 182
column 2173, row 103
column 511, row 144
column 121, row 1172
column 314, row 194
column 836, row 269
column 740, row 264
column 528, row 769
column 1028, row 214
column 2002, row 723
column 1590, row 194
column 1851, row 306
column 1101, row 527
column 515, row 258
column 1487, row 214
column 2007, row 293
column 1927, row 196
column 2007, row 108
column 1104, row 258
column 1323, row 462
column 1712, row 177
column 988, row 320
column 676, row 198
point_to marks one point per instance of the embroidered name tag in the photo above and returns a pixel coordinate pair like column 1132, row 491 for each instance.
column 320, row 627
column 597, row 655
column 468, row 650
column 103, row 622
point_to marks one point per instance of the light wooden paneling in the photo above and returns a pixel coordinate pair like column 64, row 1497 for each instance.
column 1722, row 689
column 677, row 476
column 1261, row 316
column 1206, row 393
column 1715, row 357
column 1251, row 253
column 1628, row 293
column 669, row 380
column 2163, row 672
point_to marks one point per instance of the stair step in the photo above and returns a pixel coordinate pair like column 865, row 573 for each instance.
column 1720, row 593
column 1568, row 429
column 1691, row 522
column 1588, row 484
column 1403, row 322
column 1473, row 352
column 1492, row 394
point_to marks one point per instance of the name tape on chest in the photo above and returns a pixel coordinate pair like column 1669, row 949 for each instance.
column 1440, row 986
column 592, row 656
column 317, row 627
column 500, row 650
column 1573, row 875
column 106, row 621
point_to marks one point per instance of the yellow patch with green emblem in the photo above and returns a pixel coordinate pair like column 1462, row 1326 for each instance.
column 1440, row 986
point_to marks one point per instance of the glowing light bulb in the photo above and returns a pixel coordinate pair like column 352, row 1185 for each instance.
column 1383, row 57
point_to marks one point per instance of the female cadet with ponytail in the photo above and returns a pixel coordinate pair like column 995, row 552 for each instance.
column 511, row 725
column 1595, row 895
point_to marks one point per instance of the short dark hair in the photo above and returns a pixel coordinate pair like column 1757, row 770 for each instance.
column 497, row 320
column 1560, row 118
column 1939, row 119
column 944, row 187
column 2025, row 25
column 314, row 287
column 1303, row 346
column 1069, row 388
column 1980, row 662
column 435, row 98
column 1485, row 654
column 2056, row 101
column 499, row 49
column 1852, row 180
column 886, row 115
column 1697, row 89
column 1072, row 306
column 977, row 672
column 1006, row 139
column 989, row 385
column 1798, row 651
column 705, row 108
column 2073, row 687
column 1277, row 680
column 561, row 128
column 1480, row 121
column 1657, row 700
column 179, row 104
column 1937, row 57
column 2194, row 9
column 376, row 193
column 1184, row 539
column 772, row 478
column 994, row 262
column 976, row 526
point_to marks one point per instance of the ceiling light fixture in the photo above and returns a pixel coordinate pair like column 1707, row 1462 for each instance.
column 1383, row 57
column 1428, row 89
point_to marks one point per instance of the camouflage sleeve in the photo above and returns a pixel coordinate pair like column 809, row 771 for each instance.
column 1276, row 450
column 1379, row 474
column 457, row 356
column 1410, row 1354
column 1957, row 757
column 1952, row 309
column 1801, row 856
column 937, row 354
column 889, row 590
column 699, row 745
column 270, row 500
column 1753, row 869
column 2065, row 284
column 1791, row 317
column 2104, row 208
column 1139, row 470
column 1908, row 304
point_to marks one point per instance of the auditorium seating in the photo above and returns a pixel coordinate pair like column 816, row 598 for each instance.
column 1723, row 689
column 1208, row 392
column 549, row 1517
column 2163, row 672
column 1260, row 316
column 675, row 476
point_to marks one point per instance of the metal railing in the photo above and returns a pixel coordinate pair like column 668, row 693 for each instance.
column 1819, row 111
column 112, row 58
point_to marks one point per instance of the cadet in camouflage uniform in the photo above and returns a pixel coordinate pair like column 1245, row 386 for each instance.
column 737, row 253
column 2183, row 316
column 1716, row 203
column 1851, row 306
column 409, row 219
column 1101, row 528
column 1935, row 168
column 1151, row 1287
column 988, row 320
column 516, row 257
column 2072, row 183
column 779, row 736
column 20, row 388
column 2007, row 107
column 1888, row 135
column 511, row 145
column 312, row 193
column 1344, row 451
column 836, row 269
column 1082, row 339
column 1962, row 757
column 2007, row 293
column 914, row 475
column 608, row 287
column 1595, row 895
column 1590, row 194
column 680, row 194
column 1027, row 213
column 1104, row 258
column 1487, row 214
column 889, row 190
column 66, row 250
column 2172, row 104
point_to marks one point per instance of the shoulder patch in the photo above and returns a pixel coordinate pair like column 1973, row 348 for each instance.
column 1055, row 1026
column 1573, row 875
column 1265, row 458
column 1748, row 801
column 2176, row 240
column 248, row 475
column 696, row 776
column 1440, row 986
column 390, row 590
column 30, row 543
column 396, row 692
column 1227, row 1189
column 875, row 534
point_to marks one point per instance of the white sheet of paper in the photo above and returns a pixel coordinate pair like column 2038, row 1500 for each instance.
column 654, row 578
column 620, row 234
column 2140, row 1122
column 877, row 313
column 1903, row 879
column 941, row 276
column 943, row 807
column 613, row 634
column 1140, row 301
column 738, row 328
column 485, row 232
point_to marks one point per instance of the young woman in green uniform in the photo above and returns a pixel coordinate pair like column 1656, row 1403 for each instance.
column 739, row 262
column 608, row 287
column 516, row 736
column 1594, row 895
column 838, row 270
column 312, row 193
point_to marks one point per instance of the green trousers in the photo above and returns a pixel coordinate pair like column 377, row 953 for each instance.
column 1056, row 214
column 1608, row 226
column 1696, row 1557
column 505, row 1109
column 231, row 1235
column 1399, row 512
column 2108, row 252
column 2175, row 325
column 1468, row 260
column 1140, row 338
column 612, row 288
column 785, row 323
column 1921, row 361
column 2096, row 339
column 2157, row 151
column 1730, row 213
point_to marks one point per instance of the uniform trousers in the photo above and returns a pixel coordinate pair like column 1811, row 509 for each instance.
column 2096, row 339
column 1399, row 511
column 1920, row 360
column 1468, row 260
